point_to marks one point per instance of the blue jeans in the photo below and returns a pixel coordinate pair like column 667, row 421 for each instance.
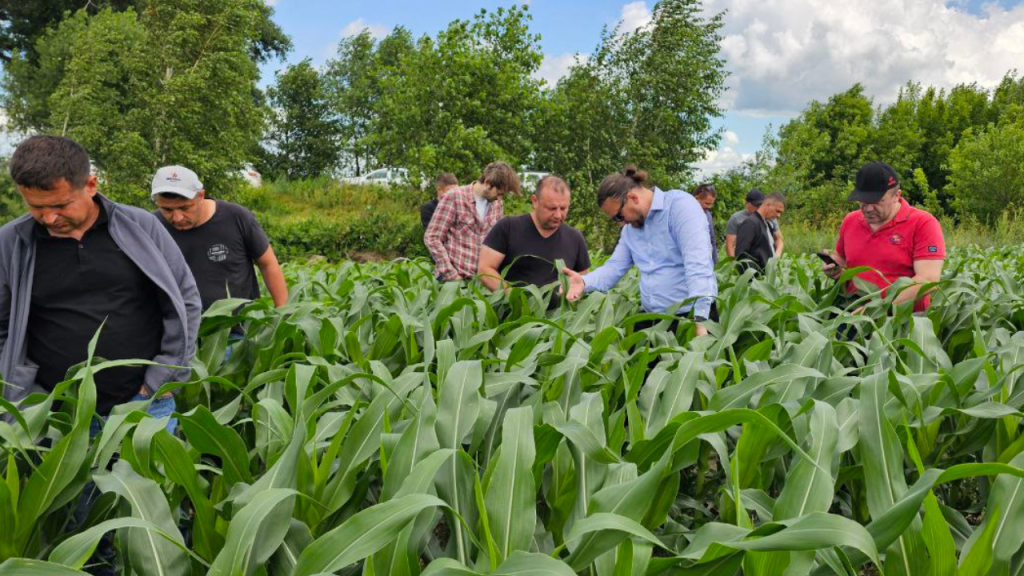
column 233, row 338
column 158, row 408
column 102, row 562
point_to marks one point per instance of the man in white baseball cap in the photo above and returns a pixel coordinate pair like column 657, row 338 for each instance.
column 220, row 240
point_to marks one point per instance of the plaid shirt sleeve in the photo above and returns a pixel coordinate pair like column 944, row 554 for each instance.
column 440, row 225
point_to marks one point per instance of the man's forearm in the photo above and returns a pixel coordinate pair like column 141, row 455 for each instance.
column 490, row 278
column 911, row 292
column 273, row 278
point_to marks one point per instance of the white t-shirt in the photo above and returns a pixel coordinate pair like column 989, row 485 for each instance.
column 481, row 207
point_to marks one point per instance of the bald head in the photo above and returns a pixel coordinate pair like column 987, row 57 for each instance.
column 550, row 201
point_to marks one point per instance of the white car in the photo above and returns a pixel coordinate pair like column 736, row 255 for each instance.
column 250, row 175
column 382, row 176
column 528, row 180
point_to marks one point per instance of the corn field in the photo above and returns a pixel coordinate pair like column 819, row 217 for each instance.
column 385, row 424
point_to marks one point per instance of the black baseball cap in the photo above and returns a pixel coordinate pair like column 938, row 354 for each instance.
column 755, row 197
column 874, row 179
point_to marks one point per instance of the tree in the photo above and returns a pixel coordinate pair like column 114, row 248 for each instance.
column 987, row 170
column 354, row 80
column 646, row 97
column 23, row 22
column 463, row 99
column 303, row 135
column 172, row 84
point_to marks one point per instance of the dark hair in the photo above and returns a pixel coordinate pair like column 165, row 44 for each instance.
column 705, row 190
column 776, row 197
column 40, row 162
column 446, row 179
column 555, row 183
column 501, row 176
column 619, row 184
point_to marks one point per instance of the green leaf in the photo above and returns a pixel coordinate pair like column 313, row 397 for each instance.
column 148, row 552
column 361, row 535
column 511, row 495
column 255, row 533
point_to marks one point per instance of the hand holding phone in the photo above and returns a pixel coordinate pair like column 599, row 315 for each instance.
column 831, row 268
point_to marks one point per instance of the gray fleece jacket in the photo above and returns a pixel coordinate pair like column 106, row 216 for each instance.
column 146, row 242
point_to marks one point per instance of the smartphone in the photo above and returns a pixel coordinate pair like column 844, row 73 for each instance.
column 826, row 258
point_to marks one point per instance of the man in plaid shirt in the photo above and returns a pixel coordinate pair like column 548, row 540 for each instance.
column 463, row 218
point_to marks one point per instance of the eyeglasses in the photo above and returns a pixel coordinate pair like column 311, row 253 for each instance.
column 618, row 215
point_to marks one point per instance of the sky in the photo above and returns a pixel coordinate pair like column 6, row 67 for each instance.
column 780, row 54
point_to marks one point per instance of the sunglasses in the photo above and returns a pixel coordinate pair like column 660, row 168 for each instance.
column 618, row 215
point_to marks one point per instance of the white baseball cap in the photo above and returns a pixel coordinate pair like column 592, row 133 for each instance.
column 176, row 180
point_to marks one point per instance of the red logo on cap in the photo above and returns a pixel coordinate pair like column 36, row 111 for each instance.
column 892, row 181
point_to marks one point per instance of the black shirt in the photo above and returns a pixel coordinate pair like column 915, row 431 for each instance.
column 517, row 237
column 221, row 252
column 76, row 285
column 427, row 212
column 753, row 244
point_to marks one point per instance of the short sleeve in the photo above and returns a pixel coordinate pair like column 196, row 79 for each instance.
column 583, row 254
column 840, row 242
column 256, row 240
column 733, row 225
column 497, row 238
column 929, row 243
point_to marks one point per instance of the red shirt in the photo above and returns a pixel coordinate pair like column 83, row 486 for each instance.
column 456, row 232
column 892, row 249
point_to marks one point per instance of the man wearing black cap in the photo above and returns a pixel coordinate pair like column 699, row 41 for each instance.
column 754, row 199
column 890, row 236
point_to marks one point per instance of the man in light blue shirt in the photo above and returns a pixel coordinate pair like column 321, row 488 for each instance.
column 667, row 240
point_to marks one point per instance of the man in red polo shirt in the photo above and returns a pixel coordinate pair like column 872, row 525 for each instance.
column 890, row 236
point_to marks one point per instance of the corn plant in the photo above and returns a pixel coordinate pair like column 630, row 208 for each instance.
column 385, row 424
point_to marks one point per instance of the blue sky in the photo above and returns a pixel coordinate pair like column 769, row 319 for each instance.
column 780, row 53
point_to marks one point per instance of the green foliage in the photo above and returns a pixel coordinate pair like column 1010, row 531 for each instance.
column 646, row 97
column 25, row 22
column 927, row 135
column 385, row 423
column 302, row 137
column 462, row 99
column 987, row 170
column 135, row 89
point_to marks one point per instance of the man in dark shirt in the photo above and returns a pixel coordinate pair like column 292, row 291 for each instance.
column 220, row 240
column 96, row 263
column 755, row 241
column 524, row 248
column 445, row 182
column 706, row 195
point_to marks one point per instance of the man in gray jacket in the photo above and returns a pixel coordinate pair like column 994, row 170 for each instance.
column 78, row 261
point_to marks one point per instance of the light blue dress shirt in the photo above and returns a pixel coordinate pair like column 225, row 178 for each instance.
column 673, row 253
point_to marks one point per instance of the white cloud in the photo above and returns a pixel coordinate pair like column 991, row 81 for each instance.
column 718, row 161
column 726, row 157
column 552, row 68
column 634, row 15
column 784, row 53
column 355, row 27
column 270, row 2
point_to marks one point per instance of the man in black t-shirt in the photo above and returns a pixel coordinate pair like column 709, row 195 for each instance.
column 524, row 248
column 220, row 240
column 445, row 182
